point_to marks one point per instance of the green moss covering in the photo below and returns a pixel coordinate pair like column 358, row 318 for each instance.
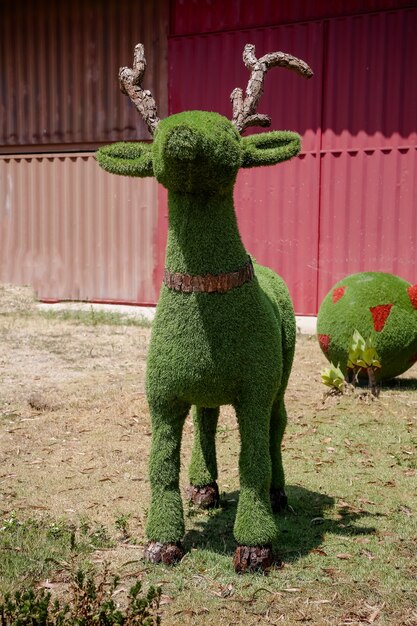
column 126, row 159
column 211, row 349
column 376, row 304
column 203, row 465
column 270, row 148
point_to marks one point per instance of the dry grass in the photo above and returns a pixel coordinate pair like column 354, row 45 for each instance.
column 74, row 441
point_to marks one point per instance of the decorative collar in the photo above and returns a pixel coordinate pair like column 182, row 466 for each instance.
column 209, row 283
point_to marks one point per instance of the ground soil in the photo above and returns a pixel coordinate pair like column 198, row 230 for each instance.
column 75, row 427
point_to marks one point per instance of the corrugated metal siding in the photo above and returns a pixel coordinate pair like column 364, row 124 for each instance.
column 59, row 65
column 277, row 207
column 350, row 205
column 368, row 216
column 203, row 16
column 346, row 205
column 369, row 148
column 285, row 236
column 72, row 231
column 370, row 90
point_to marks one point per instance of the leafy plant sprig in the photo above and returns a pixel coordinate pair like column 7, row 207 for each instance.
column 333, row 377
column 363, row 356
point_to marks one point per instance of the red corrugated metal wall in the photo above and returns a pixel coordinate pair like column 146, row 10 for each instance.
column 72, row 231
column 59, row 64
column 67, row 228
column 368, row 198
column 347, row 203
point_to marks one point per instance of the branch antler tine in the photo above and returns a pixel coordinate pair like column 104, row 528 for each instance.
column 139, row 60
column 130, row 84
column 244, row 109
column 249, row 57
column 236, row 98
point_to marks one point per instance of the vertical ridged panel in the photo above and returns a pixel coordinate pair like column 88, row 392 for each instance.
column 370, row 94
column 72, row 231
column 357, row 189
column 277, row 210
column 368, row 214
column 369, row 148
column 59, row 66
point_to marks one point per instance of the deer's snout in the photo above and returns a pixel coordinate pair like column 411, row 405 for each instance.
column 182, row 144
column 196, row 152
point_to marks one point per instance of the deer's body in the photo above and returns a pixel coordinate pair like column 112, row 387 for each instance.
column 213, row 346
column 209, row 349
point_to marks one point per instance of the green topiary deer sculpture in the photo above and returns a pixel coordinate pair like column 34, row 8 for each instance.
column 224, row 329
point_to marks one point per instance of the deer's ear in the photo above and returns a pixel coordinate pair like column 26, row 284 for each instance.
column 126, row 158
column 270, row 148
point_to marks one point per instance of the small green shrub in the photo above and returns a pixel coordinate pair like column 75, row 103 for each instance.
column 333, row 378
column 90, row 602
column 362, row 353
column 363, row 357
column 96, row 536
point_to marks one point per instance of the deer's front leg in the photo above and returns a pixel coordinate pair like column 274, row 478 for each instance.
column 255, row 528
column 203, row 490
column 165, row 525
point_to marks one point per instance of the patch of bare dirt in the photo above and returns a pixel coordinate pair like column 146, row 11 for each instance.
column 17, row 299
column 74, row 427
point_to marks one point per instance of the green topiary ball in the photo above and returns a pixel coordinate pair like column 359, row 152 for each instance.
column 376, row 304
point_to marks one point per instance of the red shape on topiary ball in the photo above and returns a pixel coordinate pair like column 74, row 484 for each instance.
column 338, row 292
column 380, row 314
column 412, row 294
column 324, row 341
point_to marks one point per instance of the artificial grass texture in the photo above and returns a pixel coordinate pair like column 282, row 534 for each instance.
column 378, row 305
column 211, row 349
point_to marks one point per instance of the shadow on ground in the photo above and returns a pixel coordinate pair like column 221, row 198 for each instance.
column 302, row 526
column 400, row 384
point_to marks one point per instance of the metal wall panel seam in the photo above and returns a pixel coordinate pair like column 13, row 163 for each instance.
column 320, row 18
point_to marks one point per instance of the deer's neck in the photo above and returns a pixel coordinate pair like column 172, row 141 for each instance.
column 203, row 237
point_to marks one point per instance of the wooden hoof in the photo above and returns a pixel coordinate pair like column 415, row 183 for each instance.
column 253, row 558
column 279, row 501
column 206, row 497
column 166, row 553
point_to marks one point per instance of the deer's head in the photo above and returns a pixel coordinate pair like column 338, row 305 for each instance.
column 200, row 151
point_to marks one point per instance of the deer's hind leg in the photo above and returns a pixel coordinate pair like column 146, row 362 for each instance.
column 255, row 528
column 203, row 490
column 165, row 524
column 279, row 499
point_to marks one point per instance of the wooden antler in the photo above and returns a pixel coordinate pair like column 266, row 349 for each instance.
column 244, row 109
column 130, row 84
